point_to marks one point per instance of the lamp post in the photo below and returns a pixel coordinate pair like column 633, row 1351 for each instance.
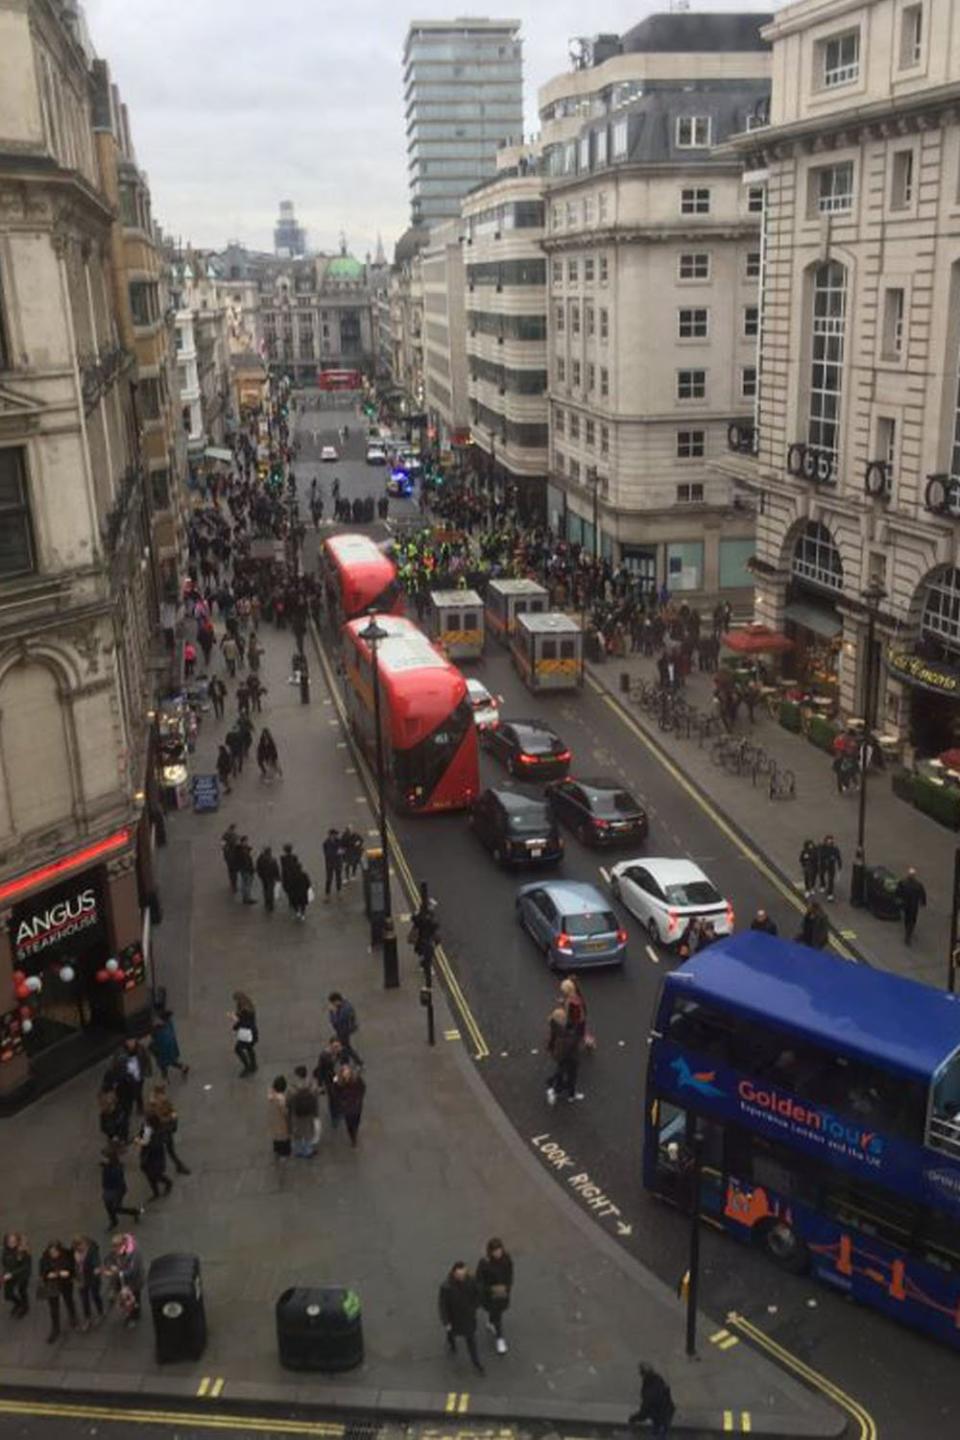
column 872, row 597
column 372, row 634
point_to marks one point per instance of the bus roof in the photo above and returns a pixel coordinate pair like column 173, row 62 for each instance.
column 353, row 549
column 854, row 1009
column 405, row 648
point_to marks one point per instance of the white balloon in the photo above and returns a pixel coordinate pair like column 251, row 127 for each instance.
column 112, row 965
column 67, row 973
column 26, row 1026
column 34, row 983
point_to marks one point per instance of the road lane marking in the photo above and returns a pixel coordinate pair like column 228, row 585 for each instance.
column 724, row 1340
column 592, row 1196
column 179, row 1419
column 216, row 1387
column 605, row 873
column 204, row 1386
column 653, row 955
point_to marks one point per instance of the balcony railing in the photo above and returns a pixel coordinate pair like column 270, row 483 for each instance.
column 878, row 479
column 807, row 462
column 128, row 493
column 743, row 438
column 98, row 372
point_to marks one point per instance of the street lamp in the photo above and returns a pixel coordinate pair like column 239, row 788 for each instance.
column 372, row 634
column 872, row 598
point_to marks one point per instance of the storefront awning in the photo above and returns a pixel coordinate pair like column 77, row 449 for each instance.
column 814, row 617
column 213, row 452
column 757, row 640
column 929, row 675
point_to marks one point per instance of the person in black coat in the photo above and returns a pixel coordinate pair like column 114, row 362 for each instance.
column 16, row 1263
column 912, row 895
column 299, row 892
column 333, row 863
column 57, row 1276
column 244, row 1018
column 268, row 872
column 289, row 866
column 495, row 1283
column 810, row 865
column 829, row 863
column 656, row 1402
column 458, row 1301
column 762, row 921
column 814, row 927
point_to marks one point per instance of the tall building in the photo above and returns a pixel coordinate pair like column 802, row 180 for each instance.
column 445, row 341
column 654, row 252
column 289, row 238
column 463, row 93
column 854, row 464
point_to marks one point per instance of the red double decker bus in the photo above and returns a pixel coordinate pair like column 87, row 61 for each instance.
column 429, row 736
column 358, row 577
column 339, row 379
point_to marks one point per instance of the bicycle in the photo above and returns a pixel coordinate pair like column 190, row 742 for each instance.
column 783, row 783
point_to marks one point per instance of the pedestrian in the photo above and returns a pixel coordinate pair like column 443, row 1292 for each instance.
column 218, row 694
column 138, row 1066
column 153, row 1156
column 224, row 768
column 911, row 894
column 495, row 1282
column 58, row 1273
column 229, row 651
column 656, row 1402
column 268, row 758
column 333, row 863
column 563, row 1047
column 86, row 1259
column 244, row 1018
column 573, row 1002
column 164, row 1045
column 125, row 1267
column 114, row 1119
column 352, row 844
column 350, row 1089
column 810, row 865
column 289, row 865
column 279, row 1113
column 164, row 1116
column 17, row 1263
column 328, row 1065
column 304, row 1108
column 829, row 862
column 814, row 927
column 344, row 1024
column 761, row 921
column 300, row 893
column 458, row 1301
column 234, row 743
column 256, row 690
column 268, row 871
column 229, row 841
column 113, row 1186
column 246, row 870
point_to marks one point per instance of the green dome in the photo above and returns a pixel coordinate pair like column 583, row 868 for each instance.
column 345, row 267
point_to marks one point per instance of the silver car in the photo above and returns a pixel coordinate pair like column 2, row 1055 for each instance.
column 572, row 924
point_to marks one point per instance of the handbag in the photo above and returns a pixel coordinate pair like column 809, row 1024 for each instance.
column 244, row 1035
column 309, row 894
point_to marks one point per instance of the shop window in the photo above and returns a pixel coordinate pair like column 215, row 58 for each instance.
column 735, row 556
column 685, row 565
column 827, row 347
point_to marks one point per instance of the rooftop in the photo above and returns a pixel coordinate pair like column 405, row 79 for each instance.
column 694, row 31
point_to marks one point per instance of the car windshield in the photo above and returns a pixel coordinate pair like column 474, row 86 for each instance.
column 612, row 802
column 478, row 698
column 601, row 922
column 693, row 892
column 529, row 822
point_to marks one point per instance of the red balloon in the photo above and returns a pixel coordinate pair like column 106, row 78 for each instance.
column 102, row 976
column 23, row 993
column 25, row 1012
column 19, row 976
column 119, row 976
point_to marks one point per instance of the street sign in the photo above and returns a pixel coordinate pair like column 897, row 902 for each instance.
column 206, row 793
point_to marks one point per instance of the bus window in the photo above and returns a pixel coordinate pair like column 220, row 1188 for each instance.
column 872, row 1212
column 944, row 1128
column 548, row 650
column 567, row 650
column 938, row 1241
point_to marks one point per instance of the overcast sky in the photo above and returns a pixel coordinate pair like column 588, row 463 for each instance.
column 236, row 105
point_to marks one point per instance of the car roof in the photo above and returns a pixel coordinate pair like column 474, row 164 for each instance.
column 574, row 897
column 599, row 783
column 671, row 871
column 512, row 799
column 531, row 725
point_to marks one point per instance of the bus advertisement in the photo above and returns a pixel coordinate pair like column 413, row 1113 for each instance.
column 824, row 1099
column 339, row 379
column 430, row 739
column 358, row 577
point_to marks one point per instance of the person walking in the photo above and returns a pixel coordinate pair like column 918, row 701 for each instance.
column 350, row 1088
column 656, row 1402
column 333, row 863
column 829, row 863
column 164, row 1045
column 495, row 1282
column 268, row 872
column 224, row 768
column 86, row 1259
column 164, row 1116
column 325, row 1073
column 244, row 1018
column 300, row 893
column 153, row 1156
column 563, row 1046
column 17, row 1265
column 351, row 842
column 138, row 1066
column 573, row 1001
column 268, row 758
column 114, row 1119
column 304, row 1108
column 229, row 841
column 289, row 865
column 911, row 894
column 762, row 921
column 113, row 1186
column 814, row 927
column 246, row 870
column 218, row 694
column 458, row 1301
column 809, row 865
column 57, row 1276
column 278, row 1110
column 125, row 1268
column 344, row 1024
column 230, row 652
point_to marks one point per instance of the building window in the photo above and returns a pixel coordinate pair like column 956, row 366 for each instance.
column 692, row 324
column 893, row 310
column 561, row 370
column 588, row 269
column 588, row 209
column 600, row 146
column 604, row 323
column 748, row 382
column 753, row 265
column 886, row 442
column 826, row 371
column 559, row 319
column 840, row 57
column 559, row 421
column 604, row 440
column 693, row 132
column 755, row 198
column 689, row 494
column 160, row 489
column 602, row 206
column 575, row 373
column 619, row 138
column 575, row 318
column 16, row 532
column 694, row 265
column 556, row 217
column 691, row 384
column 691, row 444
column 604, row 271
column 571, row 212
column 941, row 608
column 695, row 200
column 751, row 321
column 574, row 427
column 585, row 152
column 816, row 557
column 901, row 187
column 574, row 469
column 572, row 269
column 590, row 433
column 911, row 36
column 605, row 382
column 144, row 302
column 556, row 271
column 833, row 188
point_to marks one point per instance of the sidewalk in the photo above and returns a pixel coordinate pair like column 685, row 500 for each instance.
column 438, row 1170
column 896, row 835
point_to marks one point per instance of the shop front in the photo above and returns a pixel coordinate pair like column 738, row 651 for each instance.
column 72, row 969
column 933, row 690
column 812, row 619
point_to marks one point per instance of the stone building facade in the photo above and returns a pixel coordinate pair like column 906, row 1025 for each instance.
column 445, row 335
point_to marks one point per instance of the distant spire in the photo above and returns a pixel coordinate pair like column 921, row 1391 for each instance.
column 343, row 243
column 381, row 258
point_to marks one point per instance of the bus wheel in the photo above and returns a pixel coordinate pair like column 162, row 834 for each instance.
column 783, row 1246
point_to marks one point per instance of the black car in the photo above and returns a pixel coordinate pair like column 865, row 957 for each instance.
column 517, row 829
column 599, row 812
column 529, row 749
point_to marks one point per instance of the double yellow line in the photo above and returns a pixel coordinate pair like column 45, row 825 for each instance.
column 441, row 959
column 862, row 1418
column 200, row 1420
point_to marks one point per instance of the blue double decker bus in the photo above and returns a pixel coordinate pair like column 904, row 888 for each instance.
column 824, row 1100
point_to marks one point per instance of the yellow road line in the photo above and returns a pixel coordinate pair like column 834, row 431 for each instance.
column 216, row 1388
column 451, row 1404
column 204, row 1420
column 746, row 1423
column 204, row 1386
column 728, row 1419
column 463, row 1403
column 862, row 1417
column 708, row 808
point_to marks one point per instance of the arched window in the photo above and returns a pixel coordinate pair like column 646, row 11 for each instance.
column 941, row 607
column 826, row 356
column 33, row 742
column 816, row 558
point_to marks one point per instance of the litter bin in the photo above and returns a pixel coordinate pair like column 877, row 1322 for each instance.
column 176, row 1303
column 881, row 896
column 319, row 1329
column 624, row 682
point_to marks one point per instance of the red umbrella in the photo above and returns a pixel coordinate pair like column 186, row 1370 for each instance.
column 757, row 640
column 950, row 759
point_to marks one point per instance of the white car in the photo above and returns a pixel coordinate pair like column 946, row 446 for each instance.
column 665, row 895
column 376, row 455
column 486, row 713
column 329, row 452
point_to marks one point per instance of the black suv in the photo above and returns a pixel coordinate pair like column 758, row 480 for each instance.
column 599, row 812
column 517, row 829
column 529, row 749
